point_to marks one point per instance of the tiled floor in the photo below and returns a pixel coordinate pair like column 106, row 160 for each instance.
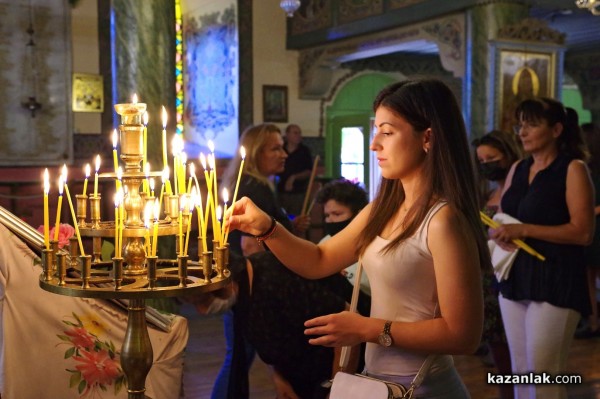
column 207, row 346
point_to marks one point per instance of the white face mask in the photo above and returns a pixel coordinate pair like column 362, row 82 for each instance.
column 220, row 305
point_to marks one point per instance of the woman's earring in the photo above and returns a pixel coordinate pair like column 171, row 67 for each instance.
column 426, row 150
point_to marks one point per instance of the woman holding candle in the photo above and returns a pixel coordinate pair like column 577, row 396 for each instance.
column 421, row 242
column 551, row 193
column 264, row 158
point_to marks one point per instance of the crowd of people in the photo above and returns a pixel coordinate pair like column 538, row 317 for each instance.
column 421, row 241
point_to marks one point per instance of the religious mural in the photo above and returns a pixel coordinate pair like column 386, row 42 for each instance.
column 211, row 77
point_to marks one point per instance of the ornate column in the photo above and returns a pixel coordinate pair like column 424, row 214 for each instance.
column 144, row 61
column 484, row 21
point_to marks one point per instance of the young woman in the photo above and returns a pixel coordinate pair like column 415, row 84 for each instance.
column 551, row 193
column 421, row 243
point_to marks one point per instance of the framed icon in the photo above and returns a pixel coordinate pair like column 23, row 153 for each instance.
column 275, row 103
column 88, row 93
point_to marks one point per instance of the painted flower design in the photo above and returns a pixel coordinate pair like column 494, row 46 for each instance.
column 97, row 368
column 96, row 362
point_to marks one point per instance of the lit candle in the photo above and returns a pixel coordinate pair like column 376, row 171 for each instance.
column 207, row 177
column 237, row 185
column 214, row 194
column 190, row 205
column 87, row 175
column 152, row 184
column 98, row 160
column 64, row 174
column 225, row 199
column 120, row 221
column 197, row 199
column 192, row 169
column 217, row 225
column 164, row 136
column 116, row 225
column 147, row 213
column 182, row 170
column 181, row 208
column 119, row 177
column 115, row 140
column 46, row 211
column 156, row 209
column 58, row 209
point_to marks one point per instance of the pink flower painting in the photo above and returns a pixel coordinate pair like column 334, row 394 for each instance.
column 96, row 362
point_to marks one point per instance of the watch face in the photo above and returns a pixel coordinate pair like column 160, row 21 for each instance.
column 385, row 340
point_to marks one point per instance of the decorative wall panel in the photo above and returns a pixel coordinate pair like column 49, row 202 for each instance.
column 35, row 68
column 211, row 76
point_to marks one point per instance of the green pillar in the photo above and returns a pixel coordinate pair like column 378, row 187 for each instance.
column 484, row 21
column 144, row 63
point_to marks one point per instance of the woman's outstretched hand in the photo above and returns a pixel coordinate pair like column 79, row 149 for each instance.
column 245, row 216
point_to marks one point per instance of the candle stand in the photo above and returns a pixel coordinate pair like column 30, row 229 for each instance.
column 137, row 275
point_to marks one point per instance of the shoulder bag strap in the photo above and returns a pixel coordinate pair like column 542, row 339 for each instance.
column 345, row 354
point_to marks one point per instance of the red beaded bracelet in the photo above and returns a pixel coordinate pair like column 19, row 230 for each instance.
column 268, row 233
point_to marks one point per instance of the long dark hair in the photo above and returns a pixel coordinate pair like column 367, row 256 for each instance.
column 429, row 103
column 570, row 141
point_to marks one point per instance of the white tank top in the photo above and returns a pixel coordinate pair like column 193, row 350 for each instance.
column 403, row 288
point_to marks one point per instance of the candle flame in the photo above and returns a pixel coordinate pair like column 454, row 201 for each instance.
column 151, row 184
column 211, row 146
column 225, row 195
column 192, row 168
column 88, row 169
column 145, row 118
column 183, row 157
column 120, row 173
column 64, row 172
column 46, row 181
column 115, row 139
column 165, row 174
column 177, row 144
column 203, row 160
column 98, row 160
column 243, row 152
column 134, row 99
column 61, row 185
column 164, row 117
column 147, row 169
column 182, row 202
column 219, row 212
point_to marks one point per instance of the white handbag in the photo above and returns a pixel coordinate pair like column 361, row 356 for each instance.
column 358, row 386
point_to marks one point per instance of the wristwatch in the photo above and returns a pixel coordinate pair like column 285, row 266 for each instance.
column 385, row 338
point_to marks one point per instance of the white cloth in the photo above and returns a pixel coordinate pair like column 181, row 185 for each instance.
column 403, row 288
column 502, row 260
column 37, row 332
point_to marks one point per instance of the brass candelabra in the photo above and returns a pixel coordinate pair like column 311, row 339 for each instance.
column 138, row 274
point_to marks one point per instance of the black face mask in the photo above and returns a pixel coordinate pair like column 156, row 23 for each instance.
column 334, row 228
column 493, row 170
